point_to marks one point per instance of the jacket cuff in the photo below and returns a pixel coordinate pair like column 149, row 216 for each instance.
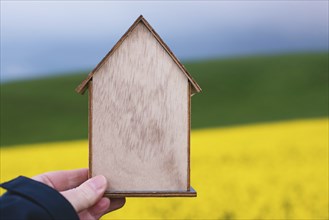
column 44, row 196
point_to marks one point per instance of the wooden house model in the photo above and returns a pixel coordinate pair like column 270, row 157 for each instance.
column 139, row 117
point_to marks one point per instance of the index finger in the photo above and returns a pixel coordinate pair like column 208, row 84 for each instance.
column 63, row 180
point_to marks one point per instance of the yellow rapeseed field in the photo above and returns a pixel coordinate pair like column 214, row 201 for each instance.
column 265, row 171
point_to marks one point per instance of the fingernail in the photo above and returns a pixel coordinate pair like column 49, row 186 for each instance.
column 99, row 183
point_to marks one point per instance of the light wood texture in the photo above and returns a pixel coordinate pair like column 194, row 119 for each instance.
column 84, row 84
column 140, row 120
column 188, row 193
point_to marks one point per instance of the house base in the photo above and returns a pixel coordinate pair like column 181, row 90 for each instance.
column 189, row 193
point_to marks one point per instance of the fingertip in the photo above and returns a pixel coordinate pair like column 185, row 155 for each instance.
column 87, row 194
column 99, row 183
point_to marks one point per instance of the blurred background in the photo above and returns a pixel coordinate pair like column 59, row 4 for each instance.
column 259, row 127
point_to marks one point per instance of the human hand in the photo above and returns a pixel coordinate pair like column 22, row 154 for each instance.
column 85, row 195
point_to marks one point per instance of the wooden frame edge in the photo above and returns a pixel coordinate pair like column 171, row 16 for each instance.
column 82, row 86
column 90, row 117
column 188, row 193
column 188, row 134
column 196, row 86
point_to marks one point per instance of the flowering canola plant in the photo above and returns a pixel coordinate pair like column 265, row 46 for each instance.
column 263, row 171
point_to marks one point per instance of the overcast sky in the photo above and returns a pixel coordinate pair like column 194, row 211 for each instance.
column 41, row 38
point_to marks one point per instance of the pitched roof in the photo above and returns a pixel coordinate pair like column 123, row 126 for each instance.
column 84, row 84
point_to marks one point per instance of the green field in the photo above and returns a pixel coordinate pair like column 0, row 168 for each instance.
column 235, row 91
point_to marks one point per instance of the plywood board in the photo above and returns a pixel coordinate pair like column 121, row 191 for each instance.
column 140, row 121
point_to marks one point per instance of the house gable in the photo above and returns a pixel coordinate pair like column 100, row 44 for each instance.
column 84, row 84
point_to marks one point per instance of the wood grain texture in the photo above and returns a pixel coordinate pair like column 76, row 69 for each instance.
column 84, row 84
column 139, row 118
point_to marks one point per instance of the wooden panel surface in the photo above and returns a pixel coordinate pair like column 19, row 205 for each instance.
column 139, row 118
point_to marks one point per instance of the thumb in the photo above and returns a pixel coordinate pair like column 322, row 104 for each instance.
column 87, row 194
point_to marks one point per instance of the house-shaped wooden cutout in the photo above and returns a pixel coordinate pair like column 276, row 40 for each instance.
column 140, row 117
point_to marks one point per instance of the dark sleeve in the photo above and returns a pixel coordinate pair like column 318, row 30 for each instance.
column 29, row 199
